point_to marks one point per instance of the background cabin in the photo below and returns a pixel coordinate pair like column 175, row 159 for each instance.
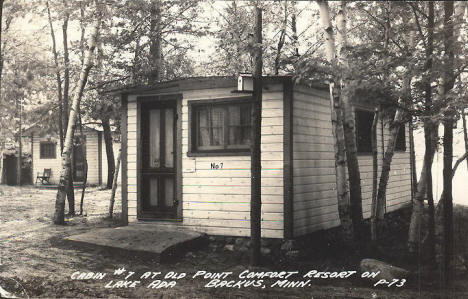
column 45, row 149
column 185, row 155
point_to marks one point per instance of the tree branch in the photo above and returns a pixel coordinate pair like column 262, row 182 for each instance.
column 418, row 25
column 458, row 163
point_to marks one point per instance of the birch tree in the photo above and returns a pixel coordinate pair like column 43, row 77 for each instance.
column 424, row 185
column 347, row 83
column 347, row 221
column 68, row 144
column 57, row 74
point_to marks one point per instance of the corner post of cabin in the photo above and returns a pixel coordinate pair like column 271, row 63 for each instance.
column 99, row 135
column 288, row 157
column 123, row 128
column 179, row 155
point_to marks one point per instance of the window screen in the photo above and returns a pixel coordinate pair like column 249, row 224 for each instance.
column 47, row 150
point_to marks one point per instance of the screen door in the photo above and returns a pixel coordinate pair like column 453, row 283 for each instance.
column 158, row 169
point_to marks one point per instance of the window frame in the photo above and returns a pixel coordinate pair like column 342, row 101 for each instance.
column 193, row 150
column 42, row 154
column 397, row 144
column 359, row 152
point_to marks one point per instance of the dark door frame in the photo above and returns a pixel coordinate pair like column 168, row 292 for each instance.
column 74, row 168
column 145, row 172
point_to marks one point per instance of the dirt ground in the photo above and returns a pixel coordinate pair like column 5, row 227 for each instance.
column 35, row 261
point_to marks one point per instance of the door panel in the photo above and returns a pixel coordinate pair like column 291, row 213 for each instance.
column 169, row 191
column 169, row 140
column 158, row 171
column 155, row 138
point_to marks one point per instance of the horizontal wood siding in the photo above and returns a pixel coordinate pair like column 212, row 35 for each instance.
column 116, row 148
column 399, row 184
column 315, row 199
column 314, row 181
column 92, row 156
column 218, row 201
column 132, row 187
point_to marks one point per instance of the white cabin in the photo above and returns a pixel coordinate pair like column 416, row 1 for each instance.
column 45, row 149
column 186, row 158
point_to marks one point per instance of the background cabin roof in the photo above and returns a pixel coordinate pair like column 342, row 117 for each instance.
column 36, row 128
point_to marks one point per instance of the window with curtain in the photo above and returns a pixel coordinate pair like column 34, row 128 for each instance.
column 223, row 127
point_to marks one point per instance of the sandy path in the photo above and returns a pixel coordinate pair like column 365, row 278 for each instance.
column 36, row 262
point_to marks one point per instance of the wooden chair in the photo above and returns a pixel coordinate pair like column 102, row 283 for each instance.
column 45, row 177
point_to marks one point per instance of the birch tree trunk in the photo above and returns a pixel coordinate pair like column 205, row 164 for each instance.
column 59, row 216
column 66, row 108
column 256, row 138
column 114, row 185
column 57, row 76
column 418, row 203
column 354, row 175
column 337, row 126
column 430, row 135
column 66, row 62
column 395, row 126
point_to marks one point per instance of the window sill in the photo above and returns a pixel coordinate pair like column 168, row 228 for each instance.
column 218, row 154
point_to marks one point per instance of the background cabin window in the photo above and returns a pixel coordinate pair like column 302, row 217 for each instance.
column 47, row 150
column 364, row 121
column 401, row 139
column 221, row 127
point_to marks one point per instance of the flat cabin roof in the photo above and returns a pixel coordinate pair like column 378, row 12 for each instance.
column 192, row 83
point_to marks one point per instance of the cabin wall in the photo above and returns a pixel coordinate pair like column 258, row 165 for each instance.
column 132, row 157
column 315, row 200
column 40, row 164
column 92, row 156
column 116, row 148
column 399, row 184
column 314, row 175
column 218, row 201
